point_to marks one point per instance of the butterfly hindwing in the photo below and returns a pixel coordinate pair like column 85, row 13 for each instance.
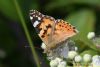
column 64, row 30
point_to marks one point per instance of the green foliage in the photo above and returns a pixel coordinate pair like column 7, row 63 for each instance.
column 8, row 9
column 91, row 52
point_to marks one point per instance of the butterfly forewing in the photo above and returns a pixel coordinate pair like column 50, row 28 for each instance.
column 43, row 24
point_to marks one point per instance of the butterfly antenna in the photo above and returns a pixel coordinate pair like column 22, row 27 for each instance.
column 29, row 47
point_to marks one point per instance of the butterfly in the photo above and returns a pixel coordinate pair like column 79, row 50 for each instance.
column 51, row 31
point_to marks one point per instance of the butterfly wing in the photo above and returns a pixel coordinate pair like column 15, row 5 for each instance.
column 51, row 31
column 63, row 31
column 43, row 24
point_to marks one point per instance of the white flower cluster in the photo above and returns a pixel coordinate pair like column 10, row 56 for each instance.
column 57, row 62
column 87, row 58
column 73, row 55
column 91, row 35
column 95, row 38
column 66, row 52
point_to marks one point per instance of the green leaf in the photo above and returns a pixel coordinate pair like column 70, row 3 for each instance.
column 91, row 52
column 84, row 21
column 68, row 3
column 8, row 9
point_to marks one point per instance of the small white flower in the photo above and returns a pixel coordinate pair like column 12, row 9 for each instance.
column 78, row 58
column 43, row 46
column 62, row 64
column 87, row 58
column 91, row 35
column 96, row 61
column 72, row 54
column 54, row 63
column 57, row 62
column 58, row 59
column 76, row 48
column 95, row 57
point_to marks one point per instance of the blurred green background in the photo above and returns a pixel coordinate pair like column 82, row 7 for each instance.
column 17, row 33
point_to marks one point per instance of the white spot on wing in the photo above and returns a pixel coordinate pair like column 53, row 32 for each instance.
column 31, row 17
column 39, row 18
column 39, row 13
column 36, row 23
column 42, row 15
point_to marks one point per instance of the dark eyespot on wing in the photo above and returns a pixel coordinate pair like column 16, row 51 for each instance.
column 45, row 31
column 42, row 36
column 73, row 27
column 75, row 31
column 49, row 26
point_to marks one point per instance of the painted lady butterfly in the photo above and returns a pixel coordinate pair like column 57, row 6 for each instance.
column 51, row 31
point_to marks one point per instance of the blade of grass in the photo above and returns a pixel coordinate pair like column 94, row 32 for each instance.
column 26, row 32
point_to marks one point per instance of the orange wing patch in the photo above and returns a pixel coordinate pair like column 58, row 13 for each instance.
column 65, row 27
column 46, row 29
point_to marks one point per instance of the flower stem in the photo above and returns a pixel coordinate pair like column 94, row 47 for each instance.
column 26, row 32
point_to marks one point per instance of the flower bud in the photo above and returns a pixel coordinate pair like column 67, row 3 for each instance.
column 87, row 58
column 78, row 58
column 91, row 35
column 72, row 54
